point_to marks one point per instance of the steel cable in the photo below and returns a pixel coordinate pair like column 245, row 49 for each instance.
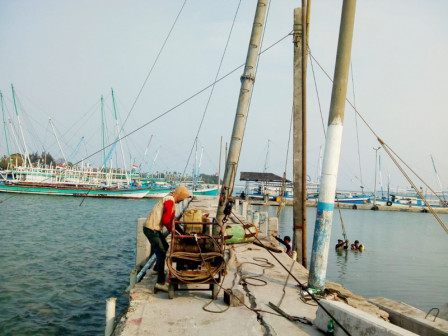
column 213, row 87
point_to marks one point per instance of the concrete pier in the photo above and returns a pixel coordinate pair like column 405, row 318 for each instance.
column 251, row 271
column 366, row 206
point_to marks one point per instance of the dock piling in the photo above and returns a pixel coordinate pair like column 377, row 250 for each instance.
column 244, row 209
column 256, row 219
column 110, row 316
column 273, row 225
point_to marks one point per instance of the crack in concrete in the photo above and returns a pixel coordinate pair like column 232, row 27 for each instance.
column 268, row 331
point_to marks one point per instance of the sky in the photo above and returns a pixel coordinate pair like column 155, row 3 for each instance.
column 61, row 56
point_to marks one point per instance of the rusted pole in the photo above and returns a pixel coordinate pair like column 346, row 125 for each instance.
column 247, row 82
column 298, row 205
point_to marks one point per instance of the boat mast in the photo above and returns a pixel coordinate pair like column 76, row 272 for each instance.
column 325, row 205
column 247, row 83
column 15, row 138
column 146, row 152
column 102, row 131
column 119, row 138
column 5, row 129
column 154, row 161
column 27, row 156
column 200, row 163
column 57, row 140
column 438, row 178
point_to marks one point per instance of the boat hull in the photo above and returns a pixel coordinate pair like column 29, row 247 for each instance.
column 133, row 193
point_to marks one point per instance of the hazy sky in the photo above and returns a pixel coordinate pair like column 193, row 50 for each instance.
column 62, row 56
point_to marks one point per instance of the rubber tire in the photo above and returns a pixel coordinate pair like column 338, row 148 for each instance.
column 354, row 207
column 215, row 290
column 389, row 203
column 171, row 291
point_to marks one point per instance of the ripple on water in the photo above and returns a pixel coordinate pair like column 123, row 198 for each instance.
column 63, row 261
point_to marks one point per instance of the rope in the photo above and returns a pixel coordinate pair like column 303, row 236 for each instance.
column 154, row 64
column 213, row 86
column 317, row 93
column 289, row 139
column 172, row 108
column 430, row 208
column 299, row 283
column 389, row 151
column 181, row 103
column 356, row 125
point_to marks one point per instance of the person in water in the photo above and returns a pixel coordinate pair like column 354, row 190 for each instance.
column 285, row 241
column 357, row 246
column 161, row 216
column 342, row 244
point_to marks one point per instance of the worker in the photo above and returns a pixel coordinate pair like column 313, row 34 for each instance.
column 342, row 244
column 162, row 215
column 285, row 241
column 357, row 246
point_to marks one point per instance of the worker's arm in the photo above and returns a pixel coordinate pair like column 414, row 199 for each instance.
column 168, row 214
column 280, row 240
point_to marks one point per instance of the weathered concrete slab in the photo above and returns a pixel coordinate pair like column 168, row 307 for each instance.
column 355, row 321
column 411, row 318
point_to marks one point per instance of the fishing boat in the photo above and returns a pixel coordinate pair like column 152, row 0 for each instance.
column 85, row 182
column 72, row 190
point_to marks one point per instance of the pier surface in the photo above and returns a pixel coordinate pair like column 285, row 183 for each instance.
column 249, row 274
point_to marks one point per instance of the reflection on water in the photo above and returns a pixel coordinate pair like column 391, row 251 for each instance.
column 405, row 256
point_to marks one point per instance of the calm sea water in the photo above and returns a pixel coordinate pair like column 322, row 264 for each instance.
column 59, row 262
column 405, row 257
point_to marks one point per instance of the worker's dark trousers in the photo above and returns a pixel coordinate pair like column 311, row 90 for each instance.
column 159, row 246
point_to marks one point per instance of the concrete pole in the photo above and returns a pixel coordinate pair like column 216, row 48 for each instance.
column 298, row 149
column 325, row 205
column 110, row 316
column 247, row 83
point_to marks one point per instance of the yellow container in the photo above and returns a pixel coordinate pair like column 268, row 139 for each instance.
column 193, row 216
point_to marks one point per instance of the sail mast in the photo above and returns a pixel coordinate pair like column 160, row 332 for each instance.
column 5, row 129
column 102, row 131
column 325, row 206
column 247, row 83
column 14, row 135
column 57, row 140
column 119, row 138
column 27, row 156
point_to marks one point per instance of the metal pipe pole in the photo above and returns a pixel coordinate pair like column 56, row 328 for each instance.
column 298, row 162
column 219, row 167
column 247, row 83
column 376, row 166
column 325, row 205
